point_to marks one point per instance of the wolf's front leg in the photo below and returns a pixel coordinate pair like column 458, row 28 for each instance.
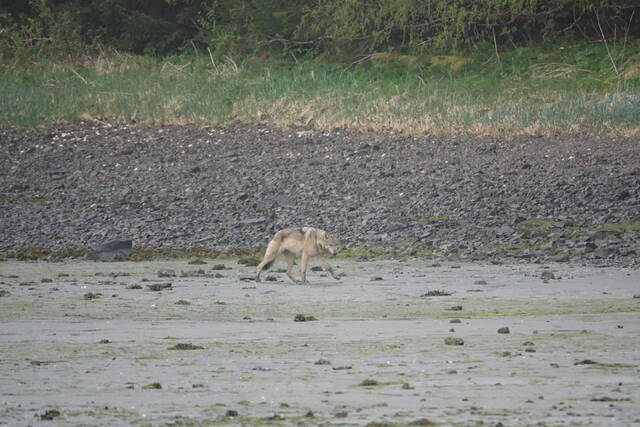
column 303, row 267
column 327, row 267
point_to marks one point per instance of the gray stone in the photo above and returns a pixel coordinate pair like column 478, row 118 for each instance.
column 109, row 250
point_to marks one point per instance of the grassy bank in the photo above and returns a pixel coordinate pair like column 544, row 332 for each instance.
column 569, row 87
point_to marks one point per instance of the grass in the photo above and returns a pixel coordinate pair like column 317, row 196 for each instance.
column 543, row 89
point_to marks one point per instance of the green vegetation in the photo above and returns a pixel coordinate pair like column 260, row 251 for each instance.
column 422, row 67
column 542, row 89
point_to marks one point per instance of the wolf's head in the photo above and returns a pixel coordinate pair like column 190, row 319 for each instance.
column 331, row 243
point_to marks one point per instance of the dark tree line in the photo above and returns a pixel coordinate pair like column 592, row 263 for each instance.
column 307, row 26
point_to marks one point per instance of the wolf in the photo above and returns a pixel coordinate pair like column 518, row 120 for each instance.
column 306, row 241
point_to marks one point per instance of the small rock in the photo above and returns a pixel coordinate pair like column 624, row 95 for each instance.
column 156, row 287
column 134, row 287
column 231, row 413
column 422, row 422
column 197, row 261
column 453, row 341
column 249, row 261
column 166, row 273
column 455, row 321
column 376, row 278
column 109, row 250
column 183, row 302
column 192, row 273
column 504, row 330
column 586, row 362
column 92, row 295
column 220, row 267
column 152, row 386
column 303, row 318
column 322, row 362
column 437, row 293
column 186, row 346
column 547, row 275
column 50, row 414
column 455, row 308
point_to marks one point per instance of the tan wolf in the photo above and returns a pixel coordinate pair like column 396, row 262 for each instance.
column 306, row 241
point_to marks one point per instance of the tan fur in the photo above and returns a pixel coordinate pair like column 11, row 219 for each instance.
column 306, row 242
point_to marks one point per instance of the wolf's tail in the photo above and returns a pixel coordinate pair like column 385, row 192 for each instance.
column 270, row 254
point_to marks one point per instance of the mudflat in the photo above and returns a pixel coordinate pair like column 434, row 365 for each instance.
column 394, row 342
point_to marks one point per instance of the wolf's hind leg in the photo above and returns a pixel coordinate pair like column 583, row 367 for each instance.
column 267, row 262
column 290, row 257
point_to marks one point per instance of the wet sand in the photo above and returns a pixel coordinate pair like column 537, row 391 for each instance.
column 84, row 343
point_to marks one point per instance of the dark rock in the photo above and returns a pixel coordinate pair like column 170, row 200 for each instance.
column 186, row 346
column 504, row 330
column 92, row 295
column 50, row 414
column 192, row 273
column 547, row 275
column 166, row 273
column 453, row 341
column 249, row 261
column 156, row 287
column 303, row 318
column 109, row 250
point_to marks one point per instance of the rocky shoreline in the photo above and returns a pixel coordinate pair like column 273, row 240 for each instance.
column 568, row 198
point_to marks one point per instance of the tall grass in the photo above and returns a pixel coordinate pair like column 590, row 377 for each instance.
column 527, row 91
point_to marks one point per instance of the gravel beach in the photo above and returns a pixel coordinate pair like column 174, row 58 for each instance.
column 529, row 199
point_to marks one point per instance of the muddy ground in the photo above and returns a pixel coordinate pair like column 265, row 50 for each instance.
column 81, row 344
